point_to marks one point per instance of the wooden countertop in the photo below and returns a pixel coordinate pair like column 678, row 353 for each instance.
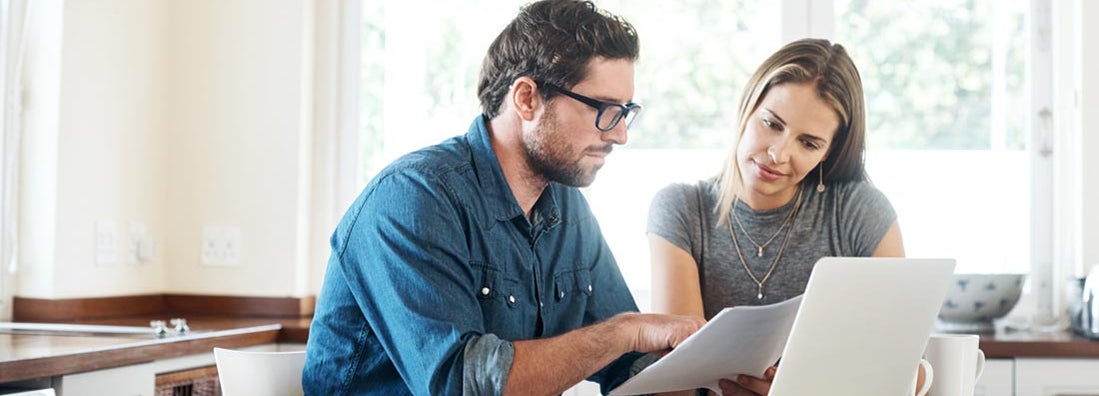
column 1023, row 344
column 29, row 356
column 25, row 357
column 215, row 321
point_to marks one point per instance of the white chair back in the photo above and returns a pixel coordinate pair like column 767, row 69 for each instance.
column 244, row 373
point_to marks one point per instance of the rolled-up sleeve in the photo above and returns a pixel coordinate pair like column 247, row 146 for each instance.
column 408, row 269
column 487, row 364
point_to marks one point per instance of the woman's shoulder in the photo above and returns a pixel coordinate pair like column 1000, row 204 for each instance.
column 855, row 189
column 858, row 193
column 679, row 195
column 681, row 192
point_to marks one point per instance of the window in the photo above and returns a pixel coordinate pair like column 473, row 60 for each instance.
column 945, row 85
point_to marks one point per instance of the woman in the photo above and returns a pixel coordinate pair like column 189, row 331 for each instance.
column 794, row 189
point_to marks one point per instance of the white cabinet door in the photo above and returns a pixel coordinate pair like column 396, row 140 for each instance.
column 998, row 378
column 132, row 380
column 1056, row 377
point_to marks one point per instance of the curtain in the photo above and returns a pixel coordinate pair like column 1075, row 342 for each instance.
column 13, row 14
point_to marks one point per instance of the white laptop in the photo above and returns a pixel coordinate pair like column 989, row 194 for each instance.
column 862, row 326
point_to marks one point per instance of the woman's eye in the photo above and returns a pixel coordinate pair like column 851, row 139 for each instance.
column 810, row 145
column 770, row 124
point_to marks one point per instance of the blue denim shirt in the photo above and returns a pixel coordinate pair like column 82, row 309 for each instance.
column 435, row 269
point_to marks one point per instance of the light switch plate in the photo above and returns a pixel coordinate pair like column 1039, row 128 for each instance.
column 106, row 243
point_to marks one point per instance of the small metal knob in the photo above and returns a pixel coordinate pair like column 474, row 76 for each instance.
column 180, row 326
column 158, row 328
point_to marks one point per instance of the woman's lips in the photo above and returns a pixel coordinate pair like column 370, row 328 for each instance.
column 768, row 174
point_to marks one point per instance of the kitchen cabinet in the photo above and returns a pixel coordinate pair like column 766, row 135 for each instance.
column 1056, row 377
column 132, row 380
column 998, row 378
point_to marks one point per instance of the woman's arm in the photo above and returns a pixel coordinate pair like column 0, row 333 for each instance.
column 676, row 288
column 891, row 244
column 675, row 284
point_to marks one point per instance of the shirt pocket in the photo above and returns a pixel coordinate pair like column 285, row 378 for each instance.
column 572, row 284
column 496, row 297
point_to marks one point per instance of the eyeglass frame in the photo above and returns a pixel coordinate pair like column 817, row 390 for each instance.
column 601, row 106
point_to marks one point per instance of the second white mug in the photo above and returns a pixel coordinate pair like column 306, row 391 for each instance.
column 958, row 362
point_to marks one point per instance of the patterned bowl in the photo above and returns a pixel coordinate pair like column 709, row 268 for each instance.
column 974, row 300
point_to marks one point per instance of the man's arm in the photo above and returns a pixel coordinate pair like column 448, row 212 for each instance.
column 550, row 366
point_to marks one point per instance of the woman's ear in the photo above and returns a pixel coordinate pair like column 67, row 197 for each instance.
column 525, row 98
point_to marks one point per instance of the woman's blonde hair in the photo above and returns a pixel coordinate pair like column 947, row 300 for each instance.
column 837, row 81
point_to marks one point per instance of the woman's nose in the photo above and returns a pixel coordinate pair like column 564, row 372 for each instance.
column 777, row 152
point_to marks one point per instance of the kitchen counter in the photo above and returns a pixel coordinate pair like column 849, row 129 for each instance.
column 30, row 356
column 232, row 323
column 214, row 321
column 1060, row 344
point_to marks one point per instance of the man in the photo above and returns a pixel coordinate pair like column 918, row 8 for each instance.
column 475, row 266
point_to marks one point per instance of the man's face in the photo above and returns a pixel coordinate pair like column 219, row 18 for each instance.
column 566, row 147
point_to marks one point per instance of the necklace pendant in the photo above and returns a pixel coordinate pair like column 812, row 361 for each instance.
column 760, row 251
column 759, row 294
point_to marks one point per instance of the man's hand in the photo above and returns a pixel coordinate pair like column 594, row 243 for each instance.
column 658, row 333
column 749, row 385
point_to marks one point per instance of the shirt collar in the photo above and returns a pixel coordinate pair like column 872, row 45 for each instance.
column 497, row 193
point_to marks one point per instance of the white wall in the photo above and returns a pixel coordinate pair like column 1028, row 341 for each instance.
column 110, row 144
column 184, row 113
column 1088, row 103
column 239, row 102
column 177, row 115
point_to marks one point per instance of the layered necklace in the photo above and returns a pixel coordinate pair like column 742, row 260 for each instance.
column 786, row 223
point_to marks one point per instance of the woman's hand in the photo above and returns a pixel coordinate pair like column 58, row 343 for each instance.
column 749, row 385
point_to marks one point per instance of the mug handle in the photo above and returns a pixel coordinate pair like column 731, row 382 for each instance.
column 980, row 364
column 929, row 376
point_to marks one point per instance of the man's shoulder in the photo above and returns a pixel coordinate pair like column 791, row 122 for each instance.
column 451, row 155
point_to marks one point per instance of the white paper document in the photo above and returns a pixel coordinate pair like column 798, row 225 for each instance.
column 738, row 340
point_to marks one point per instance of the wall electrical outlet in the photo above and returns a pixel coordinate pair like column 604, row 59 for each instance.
column 221, row 245
column 106, row 243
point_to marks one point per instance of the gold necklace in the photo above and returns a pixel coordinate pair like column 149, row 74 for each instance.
column 774, row 263
column 759, row 247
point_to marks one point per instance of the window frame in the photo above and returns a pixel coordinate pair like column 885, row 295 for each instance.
column 1051, row 201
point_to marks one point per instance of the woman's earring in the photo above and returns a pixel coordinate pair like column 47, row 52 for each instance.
column 820, row 184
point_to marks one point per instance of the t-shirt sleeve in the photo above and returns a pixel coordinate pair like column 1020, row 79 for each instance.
column 867, row 216
column 674, row 213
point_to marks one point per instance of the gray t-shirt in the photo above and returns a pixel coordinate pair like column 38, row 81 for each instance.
column 847, row 219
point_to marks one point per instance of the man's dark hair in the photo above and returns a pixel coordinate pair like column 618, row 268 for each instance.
column 551, row 41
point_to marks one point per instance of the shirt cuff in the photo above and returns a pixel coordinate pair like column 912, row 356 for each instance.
column 641, row 363
column 487, row 364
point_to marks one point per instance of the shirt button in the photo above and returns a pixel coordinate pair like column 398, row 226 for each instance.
column 560, row 294
column 511, row 299
column 485, row 291
column 589, row 288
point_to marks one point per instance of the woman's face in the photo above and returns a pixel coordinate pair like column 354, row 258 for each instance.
column 787, row 135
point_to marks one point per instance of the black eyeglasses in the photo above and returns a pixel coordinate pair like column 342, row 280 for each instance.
column 609, row 113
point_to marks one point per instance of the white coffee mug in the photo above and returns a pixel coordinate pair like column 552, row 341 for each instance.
column 958, row 363
column 928, row 378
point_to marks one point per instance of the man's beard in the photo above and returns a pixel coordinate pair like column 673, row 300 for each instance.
column 549, row 155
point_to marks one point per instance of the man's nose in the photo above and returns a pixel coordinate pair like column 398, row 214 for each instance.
column 617, row 135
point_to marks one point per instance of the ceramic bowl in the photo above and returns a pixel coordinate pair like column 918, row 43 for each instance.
column 974, row 300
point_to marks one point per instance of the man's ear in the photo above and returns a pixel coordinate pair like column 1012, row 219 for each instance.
column 525, row 98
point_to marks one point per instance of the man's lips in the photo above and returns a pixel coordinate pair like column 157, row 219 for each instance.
column 600, row 152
